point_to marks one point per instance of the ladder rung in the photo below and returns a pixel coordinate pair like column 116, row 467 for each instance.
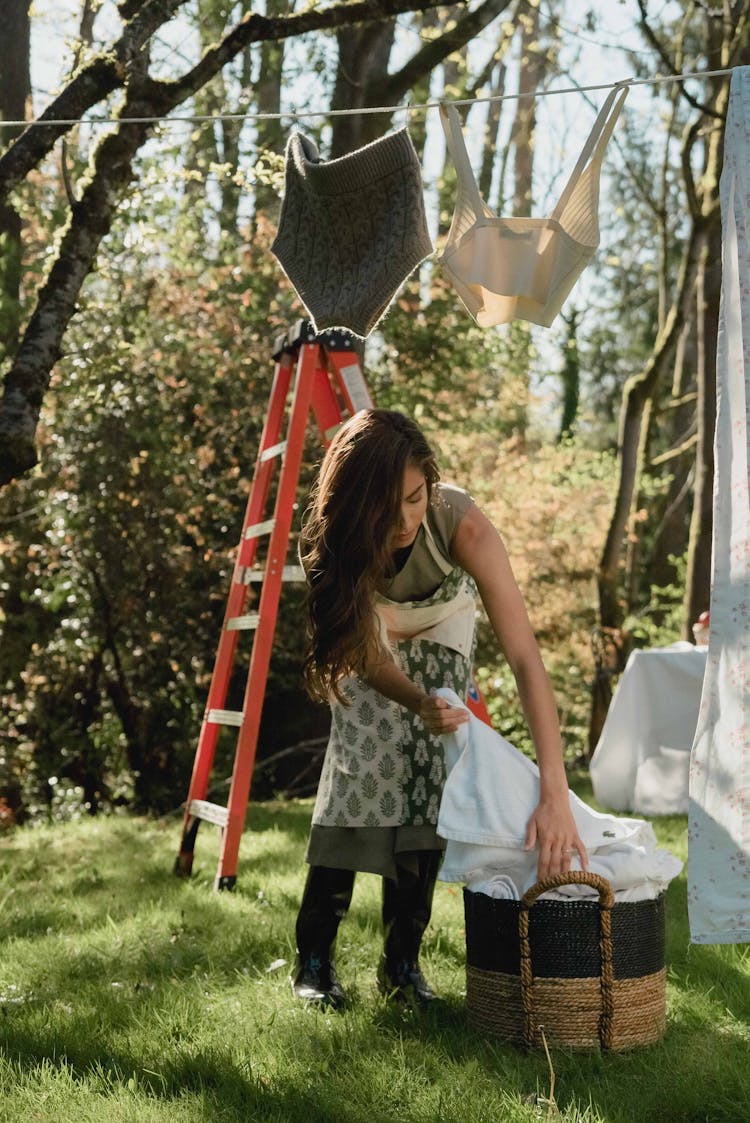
column 356, row 386
column 243, row 623
column 260, row 529
column 250, row 576
column 273, row 450
column 209, row 812
column 225, row 717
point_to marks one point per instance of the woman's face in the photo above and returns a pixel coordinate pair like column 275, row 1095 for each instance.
column 413, row 507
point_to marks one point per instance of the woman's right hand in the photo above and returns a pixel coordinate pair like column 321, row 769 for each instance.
column 439, row 716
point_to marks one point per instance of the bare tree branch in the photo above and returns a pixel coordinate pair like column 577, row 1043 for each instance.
column 109, row 70
column 85, row 38
column 687, row 445
column 253, row 28
column 690, row 135
column 437, row 50
column 99, row 78
column 652, row 38
column 373, row 86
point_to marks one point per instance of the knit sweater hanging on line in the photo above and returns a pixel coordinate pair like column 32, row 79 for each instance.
column 352, row 230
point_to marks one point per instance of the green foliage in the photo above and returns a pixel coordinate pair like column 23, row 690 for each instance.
column 550, row 503
column 437, row 365
column 661, row 620
column 114, row 587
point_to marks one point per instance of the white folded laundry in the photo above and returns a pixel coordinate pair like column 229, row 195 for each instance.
column 497, row 885
column 490, row 793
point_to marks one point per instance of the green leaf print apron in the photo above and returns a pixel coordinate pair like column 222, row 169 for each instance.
column 382, row 768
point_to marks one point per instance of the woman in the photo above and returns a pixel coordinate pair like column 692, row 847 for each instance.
column 394, row 560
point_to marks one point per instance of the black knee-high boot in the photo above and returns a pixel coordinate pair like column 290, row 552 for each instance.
column 325, row 901
column 407, row 905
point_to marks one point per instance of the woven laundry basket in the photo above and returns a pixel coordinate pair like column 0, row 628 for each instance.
column 589, row 974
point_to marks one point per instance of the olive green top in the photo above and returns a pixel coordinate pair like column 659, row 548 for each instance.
column 419, row 574
column 381, row 849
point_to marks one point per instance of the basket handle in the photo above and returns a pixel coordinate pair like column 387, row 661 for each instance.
column 606, row 900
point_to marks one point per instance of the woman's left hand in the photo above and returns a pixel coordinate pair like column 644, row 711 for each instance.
column 552, row 828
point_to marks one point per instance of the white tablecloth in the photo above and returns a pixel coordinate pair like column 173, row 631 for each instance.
column 642, row 760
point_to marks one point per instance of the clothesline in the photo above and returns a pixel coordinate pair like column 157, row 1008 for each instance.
column 299, row 115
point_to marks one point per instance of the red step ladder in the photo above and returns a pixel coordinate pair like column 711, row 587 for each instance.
column 323, row 375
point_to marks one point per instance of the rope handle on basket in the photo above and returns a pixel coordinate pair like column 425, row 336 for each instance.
column 606, row 901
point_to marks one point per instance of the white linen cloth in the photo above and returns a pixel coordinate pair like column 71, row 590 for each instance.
column 497, row 885
column 719, row 815
column 642, row 759
column 490, row 793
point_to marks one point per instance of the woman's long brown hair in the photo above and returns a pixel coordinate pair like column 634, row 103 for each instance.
column 344, row 545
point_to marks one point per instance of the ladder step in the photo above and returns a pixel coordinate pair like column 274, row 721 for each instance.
column 273, row 450
column 225, row 717
column 356, row 386
column 260, row 529
column 250, row 576
column 209, row 812
column 243, row 623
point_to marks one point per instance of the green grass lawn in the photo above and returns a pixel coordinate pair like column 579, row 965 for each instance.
column 128, row 995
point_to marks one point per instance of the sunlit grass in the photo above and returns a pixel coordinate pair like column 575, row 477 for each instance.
column 127, row 995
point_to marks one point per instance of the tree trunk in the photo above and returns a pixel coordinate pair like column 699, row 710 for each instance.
column 491, row 133
column 698, row 580
column 269, row 133
column 363, row 78
column 639, row 389
column 15, row 92
column 532, row 65
column 570, row 375
column 363, row 56
column 531, row 75
column 708, row 293
column 417, row 122
column 631, row 583
column 676, row 422
column 215, row 143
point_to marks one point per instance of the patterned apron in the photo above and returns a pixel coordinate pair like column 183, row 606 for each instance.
column 382, row 768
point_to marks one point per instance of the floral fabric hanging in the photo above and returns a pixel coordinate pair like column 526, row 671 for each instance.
column 719, row 812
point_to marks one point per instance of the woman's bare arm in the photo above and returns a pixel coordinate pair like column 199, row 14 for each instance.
column 478, row 548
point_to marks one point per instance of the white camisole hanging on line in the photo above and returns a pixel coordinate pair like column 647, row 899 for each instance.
column 524, row 268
